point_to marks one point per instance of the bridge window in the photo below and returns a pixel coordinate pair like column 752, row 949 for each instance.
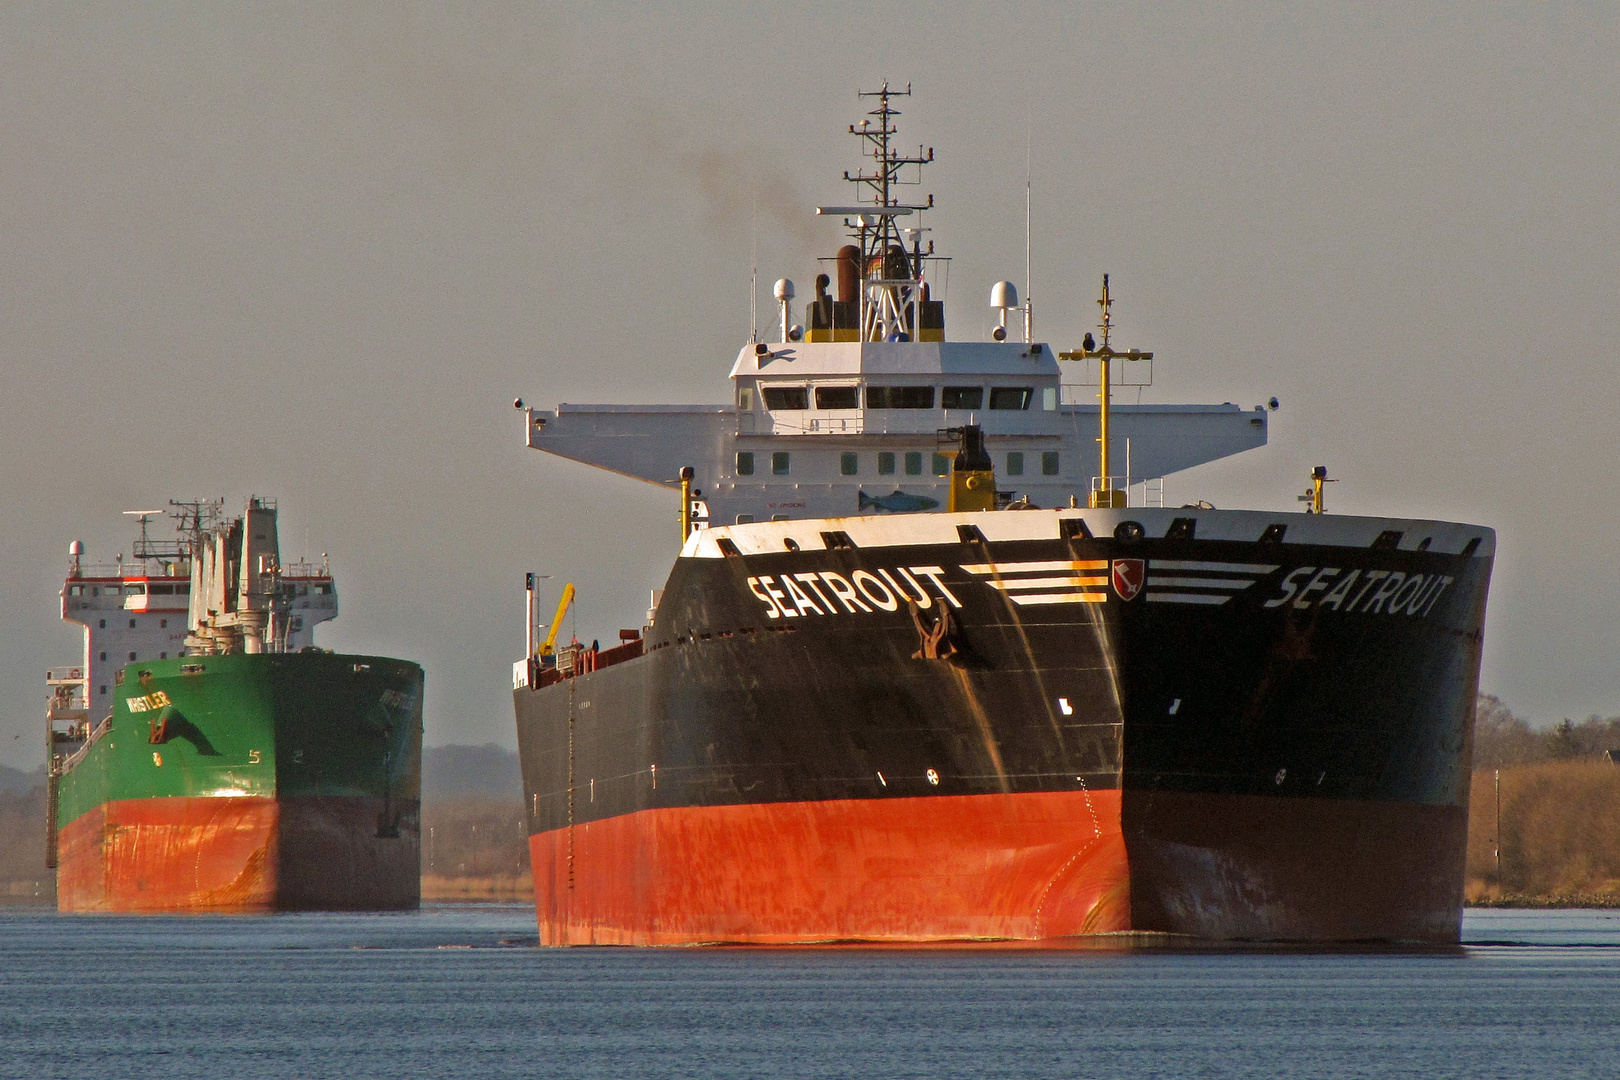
column 104, row 656
column 745, row 519
column 885, row 463
column 962, row 397
column 779, row 463
column 942, row 465
column 1010, row 397
column 786, row 397
column 1049, row 463
column 1049, row 398
column 899, row 397
column 1015, row 463
column 913, row 462
column 103, row 626
column 838, row 397
column 745, row 398
column 132, row 656
column 849, row 463
column 745, row 463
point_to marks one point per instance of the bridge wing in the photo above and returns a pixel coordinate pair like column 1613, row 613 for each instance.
column 647, row 442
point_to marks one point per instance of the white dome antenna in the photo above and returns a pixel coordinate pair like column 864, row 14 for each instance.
column 783, row 291
column 1003, row 296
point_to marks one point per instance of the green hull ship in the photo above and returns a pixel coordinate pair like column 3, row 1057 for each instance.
column 243, row 769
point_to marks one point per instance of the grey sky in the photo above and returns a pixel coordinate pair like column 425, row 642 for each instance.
column 314, row 253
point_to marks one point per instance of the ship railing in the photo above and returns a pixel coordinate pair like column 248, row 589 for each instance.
column 76, row 732
column 62, row 708
column 755, row 424
column 576, row 660
column 78, row 755
column 132, row 568
column 1131, row 376
column 881, row 422
column 1138, row 491
column 1071, row 395
column 65, row 676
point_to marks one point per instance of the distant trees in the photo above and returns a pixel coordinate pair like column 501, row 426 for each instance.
column 475, row 840
column 22, row 844
column 1502, row 739
column 475, row 848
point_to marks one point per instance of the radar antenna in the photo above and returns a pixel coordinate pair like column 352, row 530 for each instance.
column 193, row 519
column 145, row 547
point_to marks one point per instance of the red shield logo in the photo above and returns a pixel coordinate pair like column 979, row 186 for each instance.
column 1128, row 577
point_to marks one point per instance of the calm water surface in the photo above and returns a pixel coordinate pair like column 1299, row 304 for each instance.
column 463, row 992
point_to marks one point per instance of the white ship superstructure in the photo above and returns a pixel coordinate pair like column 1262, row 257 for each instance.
column 848, row 413
column 183, row 597
column 842, row 429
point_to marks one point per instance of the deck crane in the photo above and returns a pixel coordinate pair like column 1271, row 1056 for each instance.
column 547, row 647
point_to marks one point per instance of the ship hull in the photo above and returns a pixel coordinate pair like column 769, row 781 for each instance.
column 967, row 867
column 1031, row 867
column 248, row 783
column 234, row 854
column 1218, row 738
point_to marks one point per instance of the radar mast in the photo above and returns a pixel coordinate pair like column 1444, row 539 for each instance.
column 890, row 258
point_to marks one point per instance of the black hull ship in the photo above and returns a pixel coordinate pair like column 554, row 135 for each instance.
column 1014, row 725
column 923, row 737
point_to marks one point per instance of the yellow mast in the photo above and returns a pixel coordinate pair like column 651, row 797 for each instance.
column 1104, row 494
column 686, row 503
column 1313, row 494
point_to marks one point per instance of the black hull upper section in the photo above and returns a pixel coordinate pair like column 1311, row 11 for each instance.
column 1341, row 667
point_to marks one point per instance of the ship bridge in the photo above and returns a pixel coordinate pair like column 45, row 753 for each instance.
column 831, row 429
column 850, row 412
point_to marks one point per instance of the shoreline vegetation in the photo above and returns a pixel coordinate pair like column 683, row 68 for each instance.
column 476, row 848
column 1544, row 812
column 1543, row 822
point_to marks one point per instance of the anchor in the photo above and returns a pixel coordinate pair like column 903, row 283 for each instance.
column 938, row 641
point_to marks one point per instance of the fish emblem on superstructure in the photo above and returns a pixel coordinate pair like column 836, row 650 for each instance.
column 899, row 502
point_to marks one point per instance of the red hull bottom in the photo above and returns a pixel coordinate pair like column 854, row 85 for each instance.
column 1010, row 868
column 948, row 868
column 236, row 854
